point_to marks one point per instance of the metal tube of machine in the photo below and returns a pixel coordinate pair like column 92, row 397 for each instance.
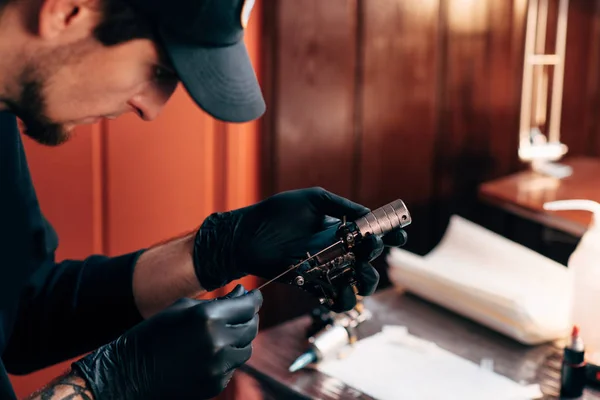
column 384, row 219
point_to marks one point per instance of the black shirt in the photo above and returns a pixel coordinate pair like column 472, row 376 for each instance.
column 50, row 312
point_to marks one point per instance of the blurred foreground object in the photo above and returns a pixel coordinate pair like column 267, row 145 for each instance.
column 330, row 341
column 584, row 265
column 496, row 282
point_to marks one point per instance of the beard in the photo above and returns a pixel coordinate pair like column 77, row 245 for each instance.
column 30, row 103
column 31, row 111
column 30, row 108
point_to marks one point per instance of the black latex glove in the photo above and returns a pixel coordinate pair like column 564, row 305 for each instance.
column 268, row 237
column 188, row 351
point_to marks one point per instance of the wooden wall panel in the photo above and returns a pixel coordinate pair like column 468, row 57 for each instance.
column 159, row 178
column 399, row 80
column 66, row 180
column 577, row 70
column 316, row 58
column 480, row 88
column 506, row 47
column 461, row 143
column 592, row 106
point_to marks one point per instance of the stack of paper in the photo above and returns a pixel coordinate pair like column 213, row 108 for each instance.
column 492, row 280
column 394, row 365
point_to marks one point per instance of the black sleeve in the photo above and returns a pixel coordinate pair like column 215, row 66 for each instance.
column 69, row 308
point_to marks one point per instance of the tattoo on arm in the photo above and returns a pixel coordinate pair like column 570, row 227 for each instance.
column 66, row 387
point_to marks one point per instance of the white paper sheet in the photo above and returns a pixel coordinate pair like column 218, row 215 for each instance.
column 492, row 280
column 394, row 365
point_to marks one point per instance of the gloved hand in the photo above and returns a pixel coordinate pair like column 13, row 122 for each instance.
column 266, row 238
column 190, row 350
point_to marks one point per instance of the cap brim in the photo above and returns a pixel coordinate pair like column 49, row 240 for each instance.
column 221, row 80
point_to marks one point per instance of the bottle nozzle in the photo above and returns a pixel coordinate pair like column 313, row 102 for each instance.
column 575, row 204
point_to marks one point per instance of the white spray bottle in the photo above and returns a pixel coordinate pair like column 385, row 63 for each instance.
column 584, row 267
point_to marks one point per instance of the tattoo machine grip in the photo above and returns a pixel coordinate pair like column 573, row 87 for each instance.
column 384, row 219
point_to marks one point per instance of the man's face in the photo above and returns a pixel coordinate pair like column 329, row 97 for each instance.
column 83, row 81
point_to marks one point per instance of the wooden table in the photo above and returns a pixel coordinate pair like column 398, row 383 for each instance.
column 525, row 193
column 276, row 348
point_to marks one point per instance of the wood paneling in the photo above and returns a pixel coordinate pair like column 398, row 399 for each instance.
column 316, row 56
column 577, row 72
column 507, row 24
column 70, row 207
column 480, row 88
column 398, row 103
column 592, row 106
column 159, row 178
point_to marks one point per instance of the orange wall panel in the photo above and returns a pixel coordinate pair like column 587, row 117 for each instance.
column 159, row 175
column 64, row 178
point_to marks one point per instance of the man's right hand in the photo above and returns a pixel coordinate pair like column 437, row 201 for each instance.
column 190, row 350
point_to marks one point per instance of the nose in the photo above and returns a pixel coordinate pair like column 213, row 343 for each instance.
column 149, row 103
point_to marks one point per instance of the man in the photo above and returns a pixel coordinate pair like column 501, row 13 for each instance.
column 70, row 62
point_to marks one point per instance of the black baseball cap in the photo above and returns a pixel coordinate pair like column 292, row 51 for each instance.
column 204, row 40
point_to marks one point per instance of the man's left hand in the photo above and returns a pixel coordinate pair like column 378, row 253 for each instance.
column 268, row 237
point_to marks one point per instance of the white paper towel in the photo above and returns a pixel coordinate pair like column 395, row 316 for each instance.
column 490, row 279
column 394, row 365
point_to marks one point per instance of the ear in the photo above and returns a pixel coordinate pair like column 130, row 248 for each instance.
column 71, row 17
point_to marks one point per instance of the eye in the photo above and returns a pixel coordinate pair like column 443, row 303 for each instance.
column 163, row 74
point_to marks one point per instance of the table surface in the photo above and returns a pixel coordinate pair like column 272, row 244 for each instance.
column 525, row 193
column 276, row 348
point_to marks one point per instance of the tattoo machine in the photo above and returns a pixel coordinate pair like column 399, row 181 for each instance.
column 332, row 269
column 331, row 339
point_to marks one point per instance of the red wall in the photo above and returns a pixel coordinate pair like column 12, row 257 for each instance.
column 126, row 184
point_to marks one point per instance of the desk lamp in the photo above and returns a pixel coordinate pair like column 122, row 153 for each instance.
column 540, row 150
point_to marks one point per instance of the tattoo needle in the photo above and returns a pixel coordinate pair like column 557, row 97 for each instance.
column 297, row 265
column 278, row 276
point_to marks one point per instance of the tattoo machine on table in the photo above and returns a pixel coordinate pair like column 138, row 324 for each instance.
column 329, row 333
column 332, row 269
